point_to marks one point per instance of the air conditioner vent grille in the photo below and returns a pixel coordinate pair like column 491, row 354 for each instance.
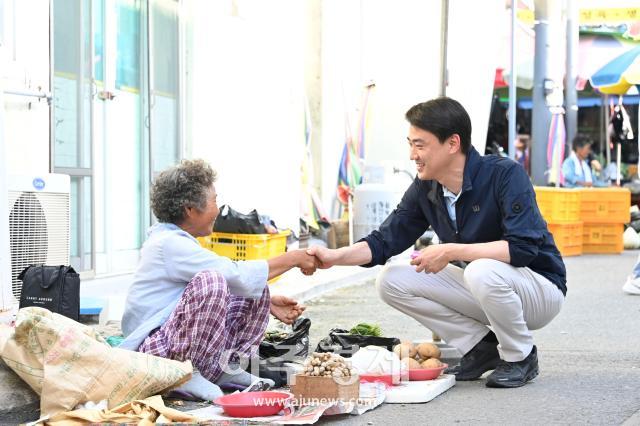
column 38, row 232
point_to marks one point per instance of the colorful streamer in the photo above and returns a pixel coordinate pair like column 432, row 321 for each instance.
column 352, row 160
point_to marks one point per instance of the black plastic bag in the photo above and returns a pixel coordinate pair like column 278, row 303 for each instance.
column 234, row 222
column 346, row 344
column 272, row 356
column 295, row 345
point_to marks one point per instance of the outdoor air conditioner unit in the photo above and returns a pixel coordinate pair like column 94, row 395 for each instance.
column 39, row 215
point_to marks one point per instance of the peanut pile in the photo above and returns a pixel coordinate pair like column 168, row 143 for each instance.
column 326, row 365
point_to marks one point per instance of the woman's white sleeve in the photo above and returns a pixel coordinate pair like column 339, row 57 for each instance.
column 184, row 258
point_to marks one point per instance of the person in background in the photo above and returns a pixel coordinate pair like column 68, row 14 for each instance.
column 187, row 303
column 632, row 285
column 522, row 151
column 483, row 209
column 575, row 168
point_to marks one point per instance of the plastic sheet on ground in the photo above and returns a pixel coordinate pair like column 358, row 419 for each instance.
column 68, row 363
column 371, row 396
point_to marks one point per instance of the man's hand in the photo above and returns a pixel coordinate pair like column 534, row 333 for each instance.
column 285, row 309
column 432, row 259
column 325, row 258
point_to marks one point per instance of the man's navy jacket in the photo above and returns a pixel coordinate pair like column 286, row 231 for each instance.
column 497, row 203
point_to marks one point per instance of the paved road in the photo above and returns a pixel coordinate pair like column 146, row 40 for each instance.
column 589, row 356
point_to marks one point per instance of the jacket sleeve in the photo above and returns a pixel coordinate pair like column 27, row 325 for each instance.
column 569, row 173
column 184, row 258
column 399, row 230
column 522, row 224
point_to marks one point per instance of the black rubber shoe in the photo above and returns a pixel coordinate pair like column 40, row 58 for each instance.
column 482, row 358
column 515, row 374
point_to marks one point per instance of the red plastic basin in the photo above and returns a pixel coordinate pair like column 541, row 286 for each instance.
column 253, row 404
column 426, row 373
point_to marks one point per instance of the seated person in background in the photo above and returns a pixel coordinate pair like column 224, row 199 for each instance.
column 575, row 169
column 187, row 303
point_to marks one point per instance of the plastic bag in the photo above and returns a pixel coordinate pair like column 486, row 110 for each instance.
column 295, row 345
column 631, row 239
column 274, row 355
column 346, row 344
column 234, row 222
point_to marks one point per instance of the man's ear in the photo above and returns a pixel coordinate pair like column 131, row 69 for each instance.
column 454, row 143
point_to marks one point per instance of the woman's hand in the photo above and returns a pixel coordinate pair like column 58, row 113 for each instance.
column 285, row 309
column 306, row 262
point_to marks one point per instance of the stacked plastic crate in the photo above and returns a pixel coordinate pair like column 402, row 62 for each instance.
column 560, row 208
column 604, row 211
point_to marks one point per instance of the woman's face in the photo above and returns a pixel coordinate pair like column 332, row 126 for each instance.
column 199, row 223
column 583, row 151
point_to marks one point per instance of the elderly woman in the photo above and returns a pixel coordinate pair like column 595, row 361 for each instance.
column 186, row 302
column 576, row 169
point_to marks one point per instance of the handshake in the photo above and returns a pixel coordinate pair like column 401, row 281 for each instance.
column 312, row 258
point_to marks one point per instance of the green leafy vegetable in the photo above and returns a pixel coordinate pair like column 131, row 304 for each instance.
column 365, row 329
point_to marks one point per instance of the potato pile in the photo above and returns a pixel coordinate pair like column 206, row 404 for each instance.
column 326, row 364
column 422, row 356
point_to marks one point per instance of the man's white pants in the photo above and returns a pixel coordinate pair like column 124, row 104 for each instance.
column 459, row 304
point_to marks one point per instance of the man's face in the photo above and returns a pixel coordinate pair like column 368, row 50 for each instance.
column 432, row 158
column 202, row 220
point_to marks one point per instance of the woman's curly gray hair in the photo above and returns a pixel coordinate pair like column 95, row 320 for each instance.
column 184, row 185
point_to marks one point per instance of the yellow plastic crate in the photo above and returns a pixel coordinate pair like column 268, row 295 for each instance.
column 246, row 246
column 558, row 205
column 605, row 205
column 602, row 238
column 568, row 237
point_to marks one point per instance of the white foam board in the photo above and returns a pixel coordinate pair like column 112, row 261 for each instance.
column 419, row 391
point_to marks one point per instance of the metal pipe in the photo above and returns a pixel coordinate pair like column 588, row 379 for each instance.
column 443, row 47
column 541, row 116
column 31, row 94
column 571, row 95
column 52, row 112
column 512, row 85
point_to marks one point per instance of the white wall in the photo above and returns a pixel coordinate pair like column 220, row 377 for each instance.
column 246, row 67
column 24, row 122
column 396, row 45
column 246, row 103
column 6, row 297
column 474, row 32
column 26, row 67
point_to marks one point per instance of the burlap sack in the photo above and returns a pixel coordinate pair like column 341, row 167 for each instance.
column 68, row 363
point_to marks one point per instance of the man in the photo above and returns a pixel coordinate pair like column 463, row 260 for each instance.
column 484, row 211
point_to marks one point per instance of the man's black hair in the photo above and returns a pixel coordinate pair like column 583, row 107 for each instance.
column 443, row 117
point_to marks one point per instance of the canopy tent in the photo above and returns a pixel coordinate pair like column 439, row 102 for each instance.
column 594, row 50
column 618, row 76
